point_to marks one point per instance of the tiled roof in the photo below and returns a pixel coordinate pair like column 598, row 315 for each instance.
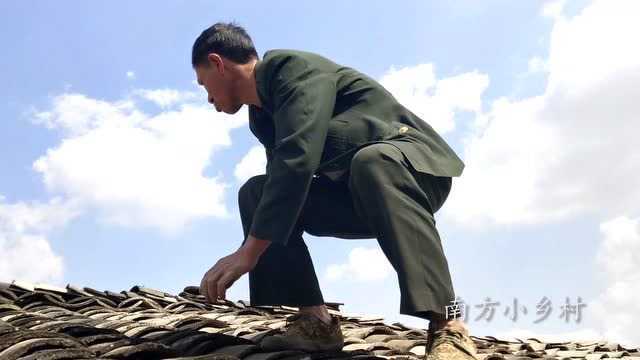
column 46, row 322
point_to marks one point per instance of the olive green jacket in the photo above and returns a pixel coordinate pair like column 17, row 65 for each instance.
column 314, row 115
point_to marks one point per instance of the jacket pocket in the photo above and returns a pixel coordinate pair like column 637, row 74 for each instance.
column 337, row 141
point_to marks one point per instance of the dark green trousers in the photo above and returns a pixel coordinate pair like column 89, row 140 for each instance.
column 381, row 196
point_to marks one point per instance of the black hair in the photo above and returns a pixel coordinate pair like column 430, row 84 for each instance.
column 226, row 39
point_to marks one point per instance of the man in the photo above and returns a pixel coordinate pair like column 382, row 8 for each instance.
column 344, row 159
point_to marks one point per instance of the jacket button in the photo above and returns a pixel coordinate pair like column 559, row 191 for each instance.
column 403, row 130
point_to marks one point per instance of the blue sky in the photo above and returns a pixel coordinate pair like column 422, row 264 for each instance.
column 114, row 171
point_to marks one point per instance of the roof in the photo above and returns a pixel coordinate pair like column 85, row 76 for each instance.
column 48, row 322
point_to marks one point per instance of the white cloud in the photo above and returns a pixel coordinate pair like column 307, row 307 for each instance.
column 131, row 75
column 537, row 64
column 436, row 101
column 76, row 114
column 29, row 258
column 135, row 168
column 167, row 97
column 363, row 265
column 36, row 217
column 570, row 151
column 553, row 8
column 253, row 163
column 618, row 262
column 25, row 252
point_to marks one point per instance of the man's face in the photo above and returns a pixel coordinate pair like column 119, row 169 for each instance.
column 218, row 81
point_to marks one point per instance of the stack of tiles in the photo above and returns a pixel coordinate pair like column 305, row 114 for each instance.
column 47, row 322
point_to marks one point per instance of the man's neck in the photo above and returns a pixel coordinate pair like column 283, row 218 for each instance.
column 249, row 92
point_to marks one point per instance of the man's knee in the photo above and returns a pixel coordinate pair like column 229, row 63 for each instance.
column 250, row 192
column 372, row 161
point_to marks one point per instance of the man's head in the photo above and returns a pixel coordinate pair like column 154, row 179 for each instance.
column 217, row 56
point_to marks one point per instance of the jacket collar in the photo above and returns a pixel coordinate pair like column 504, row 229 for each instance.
column 259, row 74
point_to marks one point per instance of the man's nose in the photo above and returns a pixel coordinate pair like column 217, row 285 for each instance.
column 211, row 100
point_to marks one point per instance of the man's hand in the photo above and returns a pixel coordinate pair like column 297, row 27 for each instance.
column 227, row 270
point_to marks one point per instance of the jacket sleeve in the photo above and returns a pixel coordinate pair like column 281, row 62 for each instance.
column 303, row 105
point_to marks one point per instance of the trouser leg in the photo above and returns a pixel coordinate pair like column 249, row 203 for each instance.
column 397, row 202
column 284, row 275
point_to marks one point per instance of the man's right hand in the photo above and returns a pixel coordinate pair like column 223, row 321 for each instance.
column 227, row 270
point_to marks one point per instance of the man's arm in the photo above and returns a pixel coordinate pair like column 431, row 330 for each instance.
column 269, row 154
column 254, row 247
column 228, row 269
column 303, row 105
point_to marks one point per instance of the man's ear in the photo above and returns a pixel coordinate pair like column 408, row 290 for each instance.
column 216, row 61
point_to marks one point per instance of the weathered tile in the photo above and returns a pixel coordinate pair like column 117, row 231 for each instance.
column 143, row 320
